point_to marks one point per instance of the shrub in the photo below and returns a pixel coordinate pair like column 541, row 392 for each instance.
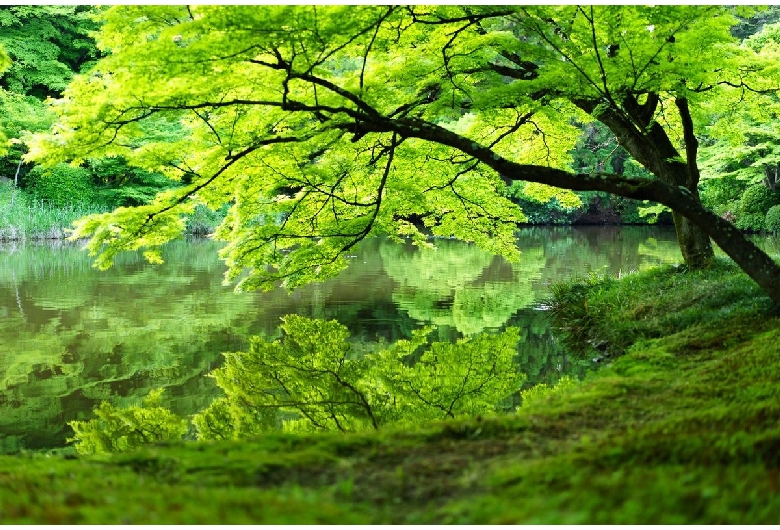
column 753, row 222
column 758, row 199
column 60, row 185
column 772, row 222
column 753, row 206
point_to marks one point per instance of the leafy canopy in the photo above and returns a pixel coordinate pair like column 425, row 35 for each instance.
column 323, row 125
column 743, row 139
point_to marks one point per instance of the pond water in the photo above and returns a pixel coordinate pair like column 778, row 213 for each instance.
column 73, row 336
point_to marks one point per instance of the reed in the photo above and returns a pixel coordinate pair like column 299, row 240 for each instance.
column 22, row 217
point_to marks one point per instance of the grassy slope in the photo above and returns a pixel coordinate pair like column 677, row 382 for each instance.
column 681, row 428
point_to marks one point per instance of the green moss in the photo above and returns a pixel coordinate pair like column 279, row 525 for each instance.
column 681, row 425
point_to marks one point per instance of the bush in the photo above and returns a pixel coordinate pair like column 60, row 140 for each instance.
column 753, row 222
column 753, row 207
column 60, row 185
column 758, row 199
column 772, row 222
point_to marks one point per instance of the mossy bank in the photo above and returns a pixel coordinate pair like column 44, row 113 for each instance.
column 680, row 425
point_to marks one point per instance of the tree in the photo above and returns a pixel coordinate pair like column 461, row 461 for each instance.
column 45, row 45
column 324, row 125
column 741, row 148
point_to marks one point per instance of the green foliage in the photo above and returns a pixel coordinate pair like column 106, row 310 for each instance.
column 752, row 21
column 541, row 210
column 753, row 206
column 5, row 61
column 653, row 212
column 47, row 44
column 537, row 396
column 742, row 140
column 119, row 184
column 43, row 47
column 758, row 199
column 204, row 220
column 313, row 380
column 772, row 222
column 314, row 152
column 20, row 116
column 61, row 185
column 721, row 195
column 116, row 430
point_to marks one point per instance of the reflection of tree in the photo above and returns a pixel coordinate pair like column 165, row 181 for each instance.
column 73, row 337
column 313, row 379
column 653, row 252
column 82, row 337
column 461, row 286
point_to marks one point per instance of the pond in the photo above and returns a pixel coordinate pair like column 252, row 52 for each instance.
column 73, row 336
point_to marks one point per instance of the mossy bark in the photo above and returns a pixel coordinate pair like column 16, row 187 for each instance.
column 694, row 243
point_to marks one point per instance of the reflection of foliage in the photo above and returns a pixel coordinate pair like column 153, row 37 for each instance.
column 117, row 430
column 74, row 337
column 470, row 377
column 312, row 380
column 651, row 252
column 450, row 285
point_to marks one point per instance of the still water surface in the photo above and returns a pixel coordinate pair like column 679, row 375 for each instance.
column 72, row 336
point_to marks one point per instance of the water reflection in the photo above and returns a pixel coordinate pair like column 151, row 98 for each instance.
column 73, row 336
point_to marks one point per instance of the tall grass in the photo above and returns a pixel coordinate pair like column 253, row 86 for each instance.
column 602, row 316
column 22, row 217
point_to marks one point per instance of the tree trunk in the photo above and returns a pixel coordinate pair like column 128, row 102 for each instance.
column 694, row 243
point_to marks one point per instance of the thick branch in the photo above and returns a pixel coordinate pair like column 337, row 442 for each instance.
column 691, row 143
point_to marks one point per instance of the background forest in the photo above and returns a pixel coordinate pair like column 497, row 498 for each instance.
column 47, row 45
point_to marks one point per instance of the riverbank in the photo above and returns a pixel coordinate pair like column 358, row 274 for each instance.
column 24, row 218
column 679, row 426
